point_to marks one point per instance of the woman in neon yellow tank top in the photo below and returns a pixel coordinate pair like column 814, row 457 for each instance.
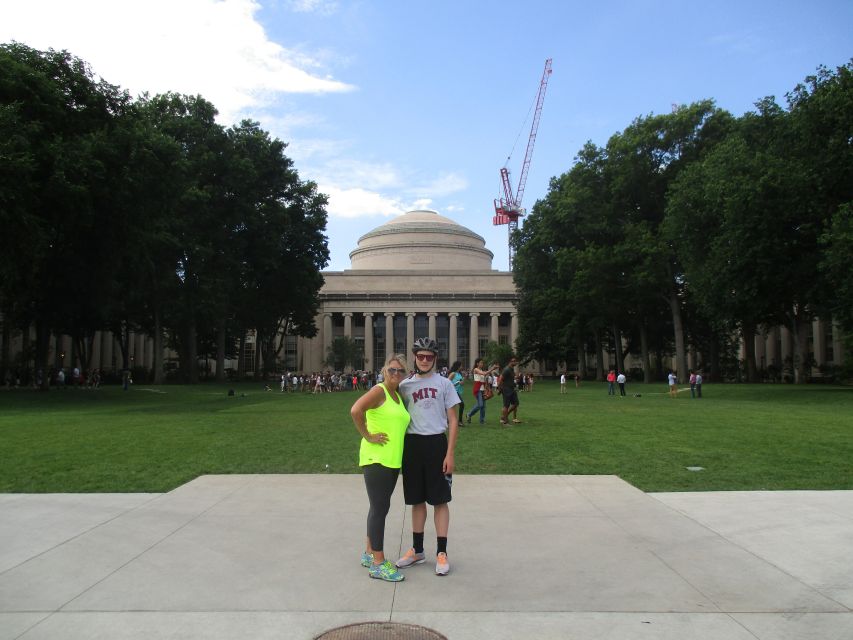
column 381, row 419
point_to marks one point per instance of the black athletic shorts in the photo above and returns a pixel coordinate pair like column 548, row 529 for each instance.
column 423, row 478
column 510, row 398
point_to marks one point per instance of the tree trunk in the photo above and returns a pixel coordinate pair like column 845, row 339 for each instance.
column 192, row 352
column 617, row 342
column 715, row 359
column 678, row 331
column 42, row 349
column 258, row 349
column 599, row 360
column 241, row 356
column 220, row 353
column 84, row 343
column 158, row 348
column 6, row 348
column 123, row 344
column 748, row 333
column 644, row 349
column 799, row 322
column 581, row 357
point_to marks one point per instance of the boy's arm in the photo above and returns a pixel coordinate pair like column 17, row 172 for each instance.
column 452, row 432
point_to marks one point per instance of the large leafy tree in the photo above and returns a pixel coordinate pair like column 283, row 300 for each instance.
column 56, row 130
column 723, row 217
column 642, row 162
column 200, row 220
column 280, row 240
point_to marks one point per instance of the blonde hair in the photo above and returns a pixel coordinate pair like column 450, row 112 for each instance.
column 399, row 357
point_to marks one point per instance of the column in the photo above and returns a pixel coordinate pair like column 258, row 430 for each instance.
column 368, row 341
column 496, row 316
column 431, row 316
column 63, row 350
column 96, row 351
column 786, row 344
column 410, row 330
column 348, row 324
column 819, row 342
column 761, row 349
column 770, row 350
column 513, row 329
column 389, row 334
column 107, row 344
column 131, row 349
column 837, row 345
column 473, row 338
column 139, row 350
column 454, row 339
column 327, row 336
column 300, row 349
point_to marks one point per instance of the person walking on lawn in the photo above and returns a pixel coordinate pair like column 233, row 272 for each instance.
column 509, row 392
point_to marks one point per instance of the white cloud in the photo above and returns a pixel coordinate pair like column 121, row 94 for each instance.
column 357, row 203
column 324, row 7
column 365, row 189
column 208, row 47
column 444, row 185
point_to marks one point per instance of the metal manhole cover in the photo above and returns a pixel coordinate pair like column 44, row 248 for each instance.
column 381, row 631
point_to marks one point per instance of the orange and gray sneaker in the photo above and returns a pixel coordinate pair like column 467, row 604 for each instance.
column 410, row 558
column 442, row 565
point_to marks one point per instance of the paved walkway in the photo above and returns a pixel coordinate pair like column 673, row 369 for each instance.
column 265, row 557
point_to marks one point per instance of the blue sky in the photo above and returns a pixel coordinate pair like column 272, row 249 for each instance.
column 390, row 106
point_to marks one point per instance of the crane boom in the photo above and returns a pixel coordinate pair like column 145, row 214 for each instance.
column 508, row 209
column 540, row 99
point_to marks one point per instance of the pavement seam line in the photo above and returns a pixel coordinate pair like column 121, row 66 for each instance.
column 158, row 542
column 82, row 533
column 721, row 536
column 399, row 555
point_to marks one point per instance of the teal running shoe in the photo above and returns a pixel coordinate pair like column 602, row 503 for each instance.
column 366, row 559
column 385, row 571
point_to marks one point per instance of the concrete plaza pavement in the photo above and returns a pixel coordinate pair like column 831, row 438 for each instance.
column 277, row 556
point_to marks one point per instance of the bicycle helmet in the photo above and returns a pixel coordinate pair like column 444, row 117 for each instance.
column 425, row 344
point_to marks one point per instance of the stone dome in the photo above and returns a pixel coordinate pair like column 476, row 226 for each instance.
column 424, row 240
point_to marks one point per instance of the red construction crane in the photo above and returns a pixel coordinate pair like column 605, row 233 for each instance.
column 508, row 209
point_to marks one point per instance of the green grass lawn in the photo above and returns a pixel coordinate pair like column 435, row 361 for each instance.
column 746, row 437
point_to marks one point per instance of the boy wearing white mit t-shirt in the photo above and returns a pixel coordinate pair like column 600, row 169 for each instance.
column 428, row 452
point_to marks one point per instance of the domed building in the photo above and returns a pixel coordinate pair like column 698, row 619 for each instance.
column 419, row 274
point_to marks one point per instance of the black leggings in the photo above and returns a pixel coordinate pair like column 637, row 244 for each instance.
column 380, row 482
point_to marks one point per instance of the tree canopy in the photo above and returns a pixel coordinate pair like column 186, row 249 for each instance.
column 691, row 225
column 147, row 215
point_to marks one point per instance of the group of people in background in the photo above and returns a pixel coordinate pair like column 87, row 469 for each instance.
column 76, row 378
column 614, row 379
column 326, row 382
column 695, row 381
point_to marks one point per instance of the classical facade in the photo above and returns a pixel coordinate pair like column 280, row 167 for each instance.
column 419, row 274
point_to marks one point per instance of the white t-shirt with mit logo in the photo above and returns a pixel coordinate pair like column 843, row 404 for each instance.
column 427, row 400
